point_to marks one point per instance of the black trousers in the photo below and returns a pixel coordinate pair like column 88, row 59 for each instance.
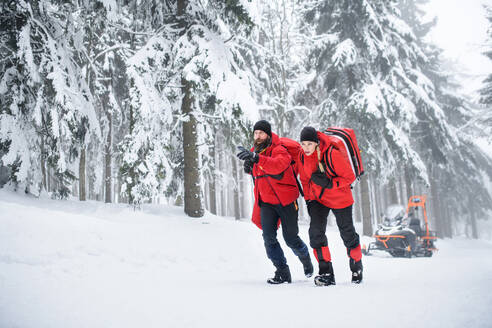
column 317, row 228
column 288, row 215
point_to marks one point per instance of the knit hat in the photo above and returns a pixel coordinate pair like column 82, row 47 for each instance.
column 309, row 134
column 263, row 126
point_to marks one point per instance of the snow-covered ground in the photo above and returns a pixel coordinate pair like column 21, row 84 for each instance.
column 72, row 264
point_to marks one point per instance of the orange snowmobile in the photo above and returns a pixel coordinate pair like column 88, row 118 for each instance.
column 401, row 233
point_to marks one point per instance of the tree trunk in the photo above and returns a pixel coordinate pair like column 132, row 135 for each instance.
column 448, row 226
column 211, row 186
column 205, row 195
column 242, row 192
column 435, row 211
column 393, row 193
column 366, row 206
column 193, row 198
column 107, row 159
column 473, row 223
column 357, row 207
column 376, row 192
column 408, row 183
column 403, row 197
column 222, row 186
column 48, row 179
column 43, row 167
column 237, row 214
column 193, row 204
column 82, row 193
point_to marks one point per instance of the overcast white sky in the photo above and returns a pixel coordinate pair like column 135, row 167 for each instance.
column 461, row 32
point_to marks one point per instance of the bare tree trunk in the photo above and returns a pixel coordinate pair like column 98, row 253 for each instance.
column 223, row 195
column 384, row 191
column 43, row 167
column 121, row 197
column 211, row 186
column 48, row 179
column 242, row 192
column 448, row 226
column 107, row 159
column 449, row 219
column 408, row 183
column 473, row 223
column 366, row 206
column 206, row 195
column 378, row 201
column 393, row 193
column 435, row 211
column 193, row 198
column 357, row 205
column 403, row 197
column 193, row 204
column 82, row 193
column 237, row 215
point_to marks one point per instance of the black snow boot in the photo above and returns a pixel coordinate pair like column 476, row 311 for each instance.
column 281, row 276
column 308, row 266
column 356, row 268
column 326, row 276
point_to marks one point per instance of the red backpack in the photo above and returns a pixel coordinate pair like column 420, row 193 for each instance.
column 347, row 138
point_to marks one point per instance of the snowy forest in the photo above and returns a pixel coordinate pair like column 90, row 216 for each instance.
column 145, row 101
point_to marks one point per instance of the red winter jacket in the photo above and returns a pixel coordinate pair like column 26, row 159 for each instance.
column 281, row 189
column 340, row 196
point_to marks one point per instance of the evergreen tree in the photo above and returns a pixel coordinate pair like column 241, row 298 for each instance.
column 45, row 99
column 486, row 91
column 362, row 57
column 448, row 164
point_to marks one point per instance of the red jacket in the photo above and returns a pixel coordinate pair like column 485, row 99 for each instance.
column 340, row 196
column 281, row 189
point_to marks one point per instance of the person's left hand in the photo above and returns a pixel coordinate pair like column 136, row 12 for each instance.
column 245, row 154
column 322, row 180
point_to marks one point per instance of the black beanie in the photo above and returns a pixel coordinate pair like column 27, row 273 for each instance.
column 309, row 134
column 263, row 126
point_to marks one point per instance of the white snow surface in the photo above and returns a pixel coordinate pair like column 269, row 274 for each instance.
column 89, row 264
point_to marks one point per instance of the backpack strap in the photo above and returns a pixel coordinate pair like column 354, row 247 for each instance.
column 294, row 172
column 274, row 176
column 320, row 164
column 328, row 161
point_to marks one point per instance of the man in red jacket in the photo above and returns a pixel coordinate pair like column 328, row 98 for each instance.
column 276, row 194
column 324, row 192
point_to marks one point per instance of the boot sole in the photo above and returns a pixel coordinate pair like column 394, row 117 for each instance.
column 278, row 283
column 322, row 284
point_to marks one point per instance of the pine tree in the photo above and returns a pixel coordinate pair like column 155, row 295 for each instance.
column 458, row 130
column 46, row 100
column 364, row 60
column 486, row 91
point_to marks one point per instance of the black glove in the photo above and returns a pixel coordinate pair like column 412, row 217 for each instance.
column 245, row 154
column 322, row 180
column 248, row 167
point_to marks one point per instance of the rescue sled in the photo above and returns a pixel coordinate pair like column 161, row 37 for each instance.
column 401, row 233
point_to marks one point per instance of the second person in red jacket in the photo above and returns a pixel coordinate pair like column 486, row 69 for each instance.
column 326, row 192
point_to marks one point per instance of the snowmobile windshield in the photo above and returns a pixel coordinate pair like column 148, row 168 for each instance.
column 393, row 215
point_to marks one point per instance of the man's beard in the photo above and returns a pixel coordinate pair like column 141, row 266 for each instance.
column 261, row 145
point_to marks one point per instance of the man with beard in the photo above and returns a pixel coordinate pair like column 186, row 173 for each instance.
column 276, row 194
